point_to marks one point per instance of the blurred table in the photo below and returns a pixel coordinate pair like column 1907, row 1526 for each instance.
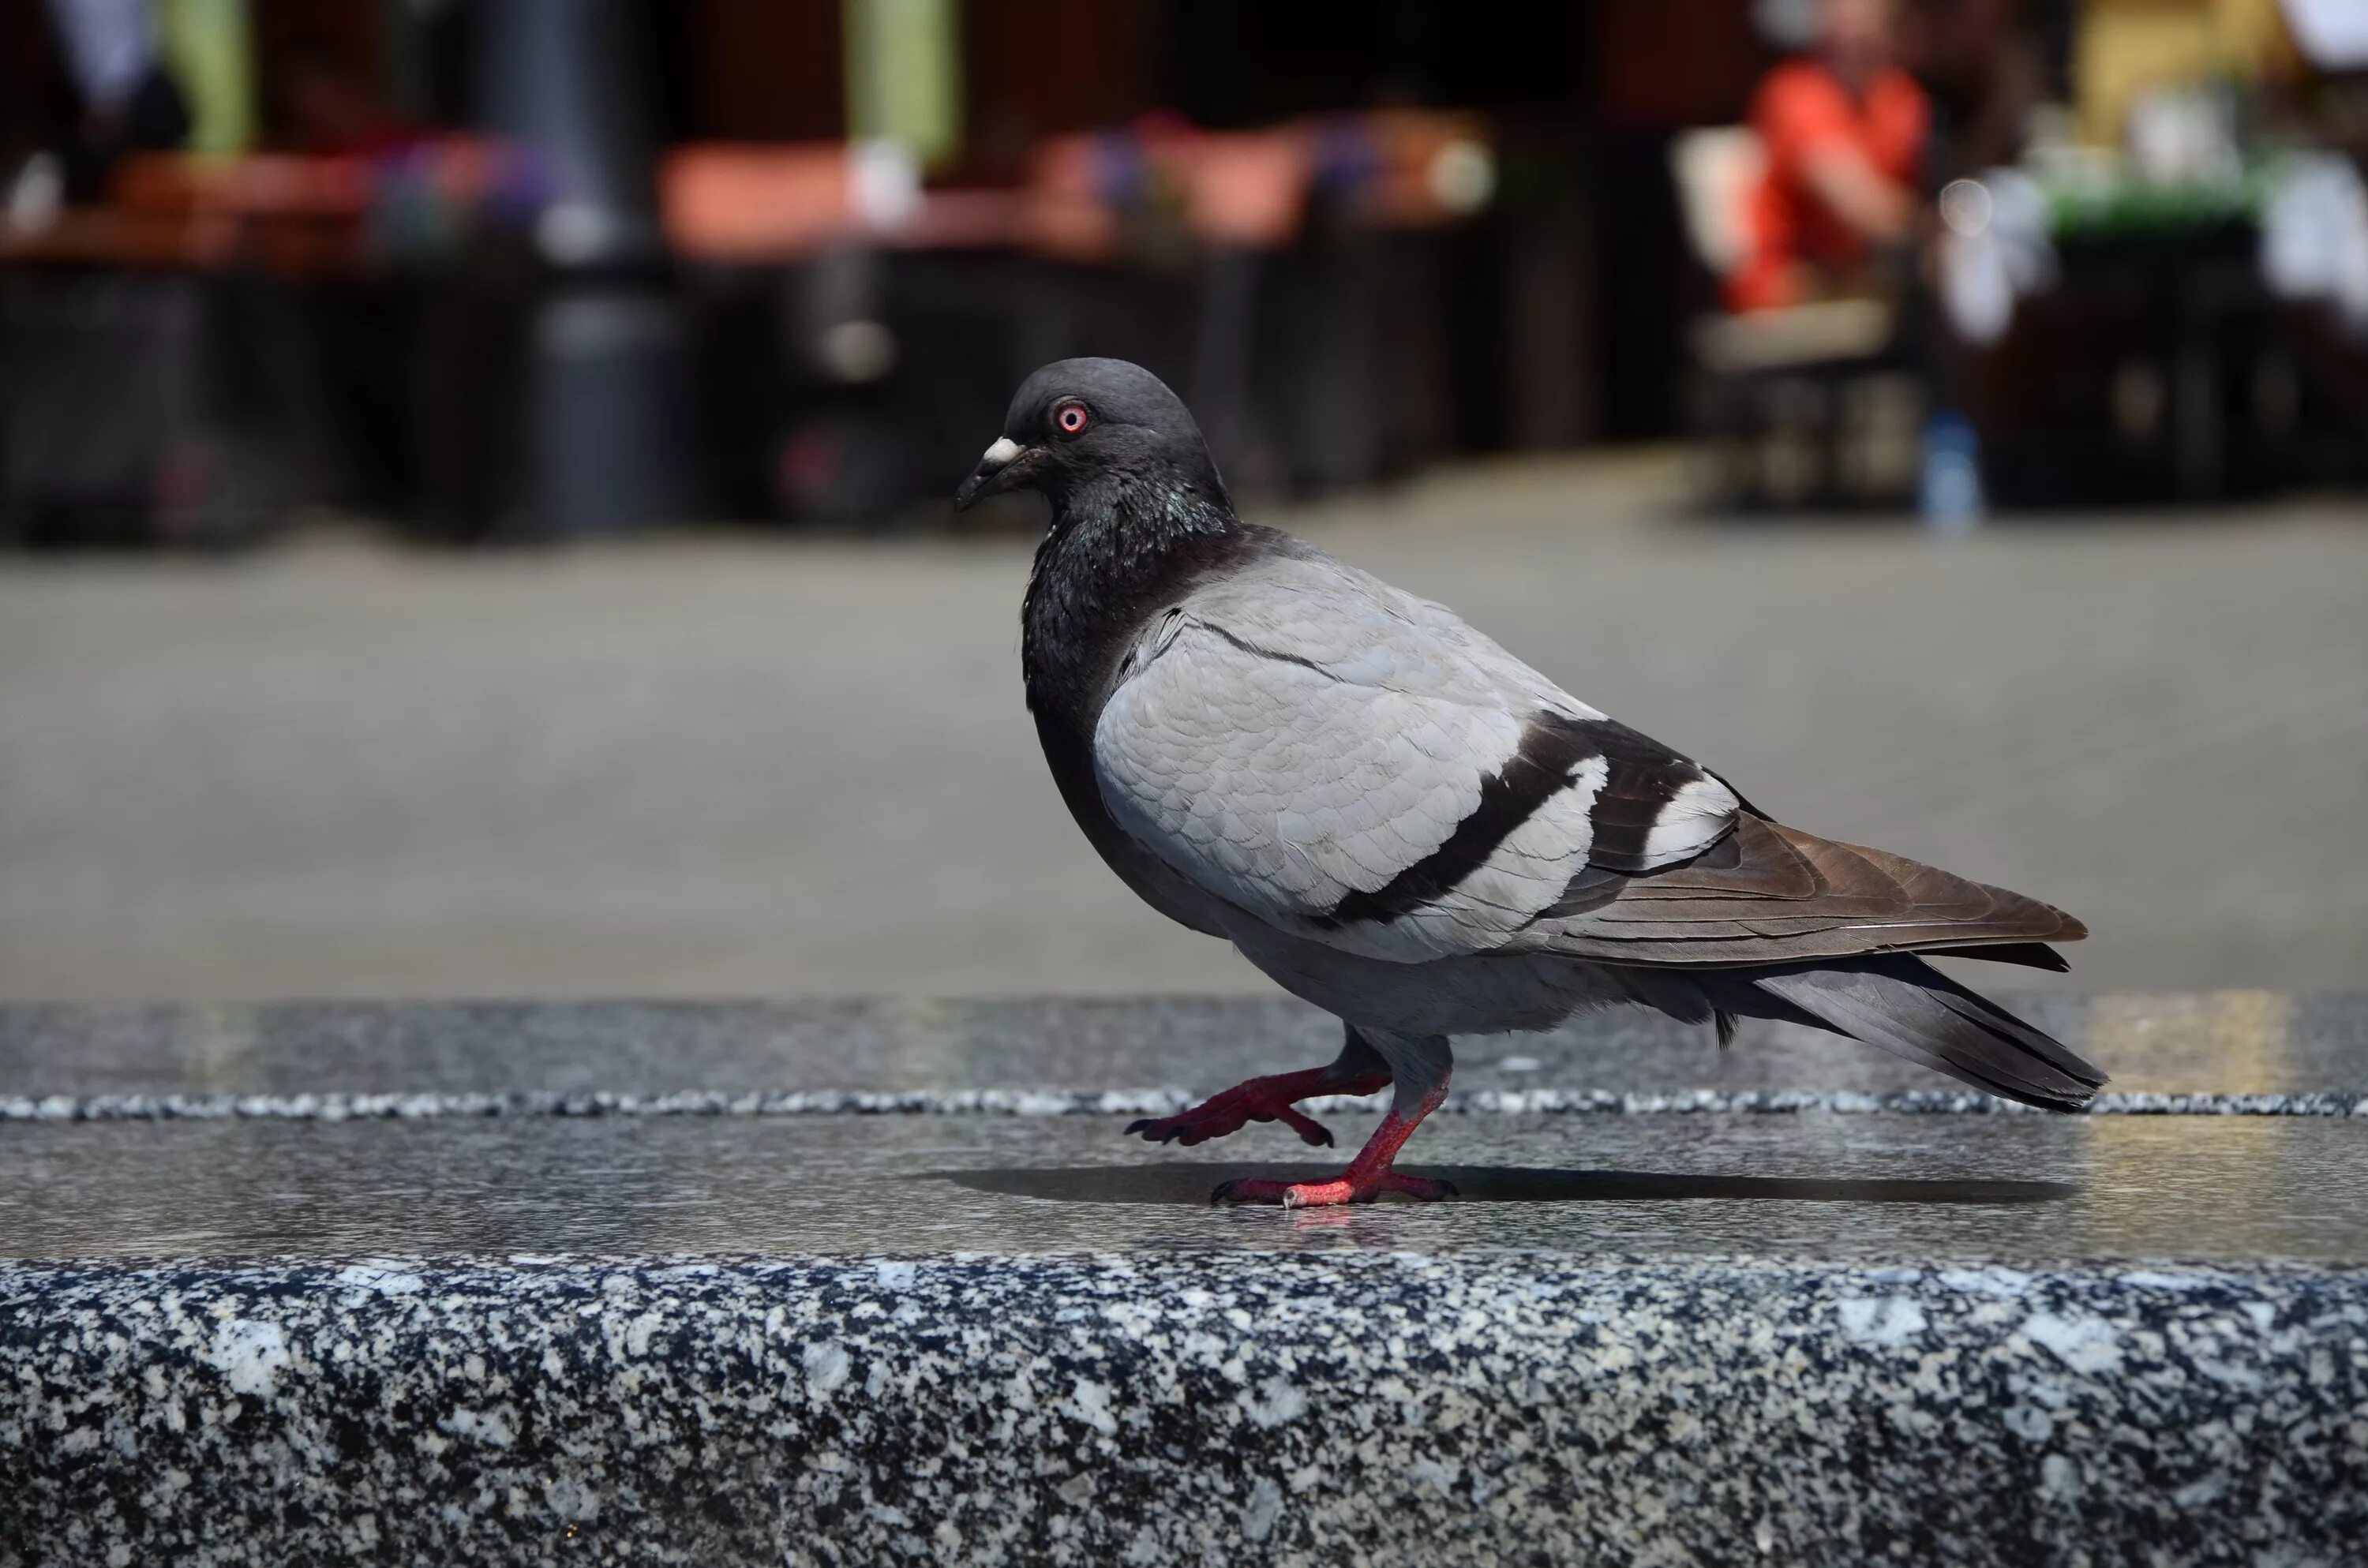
column 2131, row 338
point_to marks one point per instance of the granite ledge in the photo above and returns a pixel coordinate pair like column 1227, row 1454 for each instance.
column 1171, row 1408
column 1545, row 1100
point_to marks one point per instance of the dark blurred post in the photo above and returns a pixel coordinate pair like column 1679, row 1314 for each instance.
column 605, row 377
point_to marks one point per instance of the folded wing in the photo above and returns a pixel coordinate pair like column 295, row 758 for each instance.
column 1768, row 894
column 1359, row 767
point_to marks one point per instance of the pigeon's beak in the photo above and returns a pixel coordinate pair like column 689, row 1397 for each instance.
column 1005, row 464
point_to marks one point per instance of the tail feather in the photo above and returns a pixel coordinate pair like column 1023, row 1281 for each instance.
column 1906, row 1006
column 2030, row 955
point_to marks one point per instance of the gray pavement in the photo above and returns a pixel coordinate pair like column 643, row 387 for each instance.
column 715, row 767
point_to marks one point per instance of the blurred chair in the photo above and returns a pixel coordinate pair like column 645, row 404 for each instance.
column 1809, row 402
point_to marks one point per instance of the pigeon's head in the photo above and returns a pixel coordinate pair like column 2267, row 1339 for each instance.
column 1077, row 421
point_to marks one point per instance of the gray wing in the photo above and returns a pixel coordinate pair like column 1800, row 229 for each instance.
column 1359, row 767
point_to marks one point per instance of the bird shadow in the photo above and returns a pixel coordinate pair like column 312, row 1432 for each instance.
column 1179, row 1182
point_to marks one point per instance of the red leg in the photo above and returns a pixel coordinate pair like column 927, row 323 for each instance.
column 1368, row 1177
column 1267, row 1099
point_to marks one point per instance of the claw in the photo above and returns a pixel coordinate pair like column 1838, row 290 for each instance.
column 1157, row 1130
column 1310, row 1131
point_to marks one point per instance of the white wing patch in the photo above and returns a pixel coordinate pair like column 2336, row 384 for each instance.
column 1694, row 819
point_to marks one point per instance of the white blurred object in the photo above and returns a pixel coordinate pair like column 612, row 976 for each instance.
column 1717, row 167
column 2020, row 219
column 38, row 193
column 883, row 182
column 2332, row 34
column 1463, row 177
column 570, row 234
column 1975, row 287
column 2185, row 136
column 1994, row 249
column 857, row 351
column 2314, row 235
column 1966, row 206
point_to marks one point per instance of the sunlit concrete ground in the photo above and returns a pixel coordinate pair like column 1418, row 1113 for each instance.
column 721, row 765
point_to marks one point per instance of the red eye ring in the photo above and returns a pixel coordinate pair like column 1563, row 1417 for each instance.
column 1071, row 419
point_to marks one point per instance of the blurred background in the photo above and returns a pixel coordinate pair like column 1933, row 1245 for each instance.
column 473, row 474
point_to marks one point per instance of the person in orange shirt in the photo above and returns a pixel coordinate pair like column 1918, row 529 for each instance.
column 1843, row 131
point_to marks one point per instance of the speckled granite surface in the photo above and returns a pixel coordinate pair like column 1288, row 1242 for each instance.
column 1743, row 1328
column 1205, row 1409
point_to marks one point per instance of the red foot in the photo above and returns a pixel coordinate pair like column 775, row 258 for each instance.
column 1323, row 1193
column 1260, row 1100
column 1368, row 1177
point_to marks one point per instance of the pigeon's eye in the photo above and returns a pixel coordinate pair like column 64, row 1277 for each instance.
column 1071, row 419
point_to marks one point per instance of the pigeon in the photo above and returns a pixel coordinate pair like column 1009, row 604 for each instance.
column 1401, row 822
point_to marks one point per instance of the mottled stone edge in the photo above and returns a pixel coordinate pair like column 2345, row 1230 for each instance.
column 336, row 1106
column 1179, row 1407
